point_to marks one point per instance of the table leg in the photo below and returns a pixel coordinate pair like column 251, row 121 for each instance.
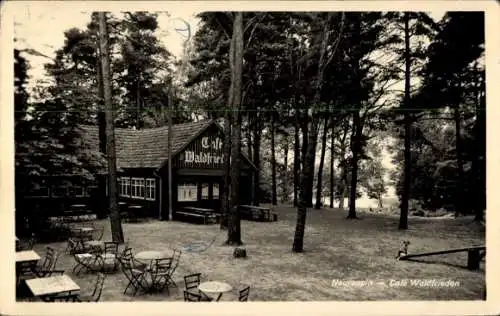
column 218, row 297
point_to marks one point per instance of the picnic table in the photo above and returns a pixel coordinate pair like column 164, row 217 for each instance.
column 43, row 287
column 132, row 212
column 27, row 256
column 205, row 215
column 258, row 213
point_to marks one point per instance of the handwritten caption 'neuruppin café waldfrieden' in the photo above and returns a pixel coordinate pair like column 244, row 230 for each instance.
column 206, row 157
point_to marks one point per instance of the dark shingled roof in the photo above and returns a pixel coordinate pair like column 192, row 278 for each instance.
column 145, row 148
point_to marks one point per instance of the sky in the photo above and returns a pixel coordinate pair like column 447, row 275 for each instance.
column 42, row 28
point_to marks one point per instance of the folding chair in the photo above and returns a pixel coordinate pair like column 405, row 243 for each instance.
column 243, row 297
column 192, row 281
column 160, row 271
column 134, row 276
column 96, row 293
column 84, row 260
column 109, row 256
column 191, row 297
column 47, row 268
column 175, row 263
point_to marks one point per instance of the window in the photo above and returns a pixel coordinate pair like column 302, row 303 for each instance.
column 187, row 192
column 91, row 188
column 76, row 191
column 124, row 186
column 215, row 191
column 204, row 191
column 40, row 189
column 150, row 189
column 59, row 190
column 137, row 186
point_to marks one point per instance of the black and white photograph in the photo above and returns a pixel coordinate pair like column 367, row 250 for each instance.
column 189, row 154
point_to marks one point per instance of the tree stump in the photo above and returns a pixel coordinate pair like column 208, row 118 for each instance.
column 240, row 253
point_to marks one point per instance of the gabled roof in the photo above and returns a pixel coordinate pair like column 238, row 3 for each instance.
column 145, row 148
column 148, row 148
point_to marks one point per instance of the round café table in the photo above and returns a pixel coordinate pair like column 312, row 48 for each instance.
column 149, row 256
column 215, row 287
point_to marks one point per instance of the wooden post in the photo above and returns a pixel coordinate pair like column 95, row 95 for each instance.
column 473, row 259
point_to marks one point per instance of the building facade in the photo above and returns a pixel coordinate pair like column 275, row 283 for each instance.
column 197, row 167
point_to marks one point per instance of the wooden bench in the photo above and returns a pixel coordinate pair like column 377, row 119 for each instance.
column 474, row 255
column 257, row 213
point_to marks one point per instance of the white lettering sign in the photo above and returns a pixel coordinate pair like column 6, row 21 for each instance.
column 215, row 144
column 205, row 158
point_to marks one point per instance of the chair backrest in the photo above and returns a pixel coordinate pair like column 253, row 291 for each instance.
column 111, row 247
column 244, row 294
column 127, row 254
column 192, row 280
column 161, row 265
column 176, row 257
column 191, row 297
column 124, row 248
column 48, row 258
column 54, row 261
column 96, row 294
column 98, row 233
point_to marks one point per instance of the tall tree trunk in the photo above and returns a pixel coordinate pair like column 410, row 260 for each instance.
column 286, row 192
column 305, row 181
column 249, row 137
column 480, row 158
column 116, row 226
column 256, row 160
column 227, row 167
column 459, row 193
column 138, row 105
column 355, row 148
column 234, row 228
column 319, row 185
column 332, row 170
column 273, row 161
column 403, row 219
column 170, row 135
column 307, row 173
column 103, row 202
column 224, row 220
column 296, row 160
column 343, row 172
column 306, row 138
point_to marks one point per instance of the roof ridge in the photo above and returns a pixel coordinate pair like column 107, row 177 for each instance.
column 204, row 121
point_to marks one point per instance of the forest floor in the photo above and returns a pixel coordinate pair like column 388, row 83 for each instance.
column 335, row 249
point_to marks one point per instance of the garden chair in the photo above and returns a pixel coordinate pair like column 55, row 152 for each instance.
column 84, row 260
column 243, row 297
column 98, row 233
column 124, row 249
column 192, row 281
column 26, row 245
column 47, row 268
column 160, row 271
column 191, row 297
column 127, row 255
column 135, row 276
column 110, row 256
column 96, row 293
column 175, row 263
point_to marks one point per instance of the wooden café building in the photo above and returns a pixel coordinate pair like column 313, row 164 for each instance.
column 197, row 167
